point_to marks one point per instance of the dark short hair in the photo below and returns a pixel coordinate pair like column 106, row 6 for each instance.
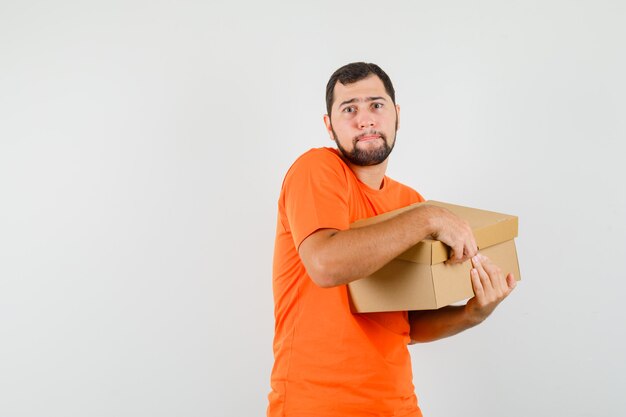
column 352, row 73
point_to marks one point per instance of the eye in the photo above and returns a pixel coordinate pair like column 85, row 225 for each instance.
column 348, row 109
column 377, row 105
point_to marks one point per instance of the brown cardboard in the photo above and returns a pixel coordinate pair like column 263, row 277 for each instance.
column 419, row 279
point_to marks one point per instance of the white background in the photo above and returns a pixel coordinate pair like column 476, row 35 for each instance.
column 142, row 149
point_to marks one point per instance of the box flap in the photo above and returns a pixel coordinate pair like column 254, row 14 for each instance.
column 452, row 282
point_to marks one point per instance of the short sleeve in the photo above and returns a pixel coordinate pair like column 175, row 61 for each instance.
column 315, row 193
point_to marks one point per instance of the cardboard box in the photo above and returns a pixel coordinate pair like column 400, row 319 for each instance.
column 419, row 279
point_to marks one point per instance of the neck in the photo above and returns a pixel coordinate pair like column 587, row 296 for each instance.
column 372, row 175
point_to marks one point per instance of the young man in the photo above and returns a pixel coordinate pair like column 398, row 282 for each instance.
column 328, row 361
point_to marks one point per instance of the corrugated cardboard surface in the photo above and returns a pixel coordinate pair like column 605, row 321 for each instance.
column 419, row 279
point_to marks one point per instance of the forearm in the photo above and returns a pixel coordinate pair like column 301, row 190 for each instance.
column 344, row 256
column 430, row 325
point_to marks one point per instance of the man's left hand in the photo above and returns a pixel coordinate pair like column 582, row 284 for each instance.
column 490, row 288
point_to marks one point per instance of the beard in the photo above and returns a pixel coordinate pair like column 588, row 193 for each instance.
column 367, row 157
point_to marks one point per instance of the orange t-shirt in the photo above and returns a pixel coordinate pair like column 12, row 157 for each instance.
column 328, row 361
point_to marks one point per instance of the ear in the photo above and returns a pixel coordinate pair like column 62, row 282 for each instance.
column 398, row 116
column 329, row 127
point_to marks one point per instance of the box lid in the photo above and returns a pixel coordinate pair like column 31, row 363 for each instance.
column 490, row 228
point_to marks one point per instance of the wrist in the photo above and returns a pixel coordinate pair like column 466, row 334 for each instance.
column 472, row 317
column 430, row 220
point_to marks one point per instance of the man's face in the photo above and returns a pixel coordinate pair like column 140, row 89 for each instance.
column 363, row 121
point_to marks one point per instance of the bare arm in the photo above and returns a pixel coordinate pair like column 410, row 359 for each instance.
column 332, row 257
column 490, row 288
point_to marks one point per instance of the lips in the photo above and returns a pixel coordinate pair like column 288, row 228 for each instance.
column 369, row 137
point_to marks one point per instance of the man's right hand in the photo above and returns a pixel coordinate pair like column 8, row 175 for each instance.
column 336, row 257
column 453, row 231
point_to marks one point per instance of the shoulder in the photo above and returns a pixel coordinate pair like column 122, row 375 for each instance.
column 318, row 161
column 319, row 156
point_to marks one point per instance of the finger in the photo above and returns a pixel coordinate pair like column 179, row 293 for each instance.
column 473, row 245
column 511, row 281
column 457, row 254
column 507, row 282
column 467, row 251
column 479, row 291
column 495, row 275
column 482, row 274
column 473, row 249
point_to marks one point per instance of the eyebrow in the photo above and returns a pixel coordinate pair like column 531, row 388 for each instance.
column 358, row 100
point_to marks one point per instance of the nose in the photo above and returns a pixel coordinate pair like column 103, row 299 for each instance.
column 365, row 121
